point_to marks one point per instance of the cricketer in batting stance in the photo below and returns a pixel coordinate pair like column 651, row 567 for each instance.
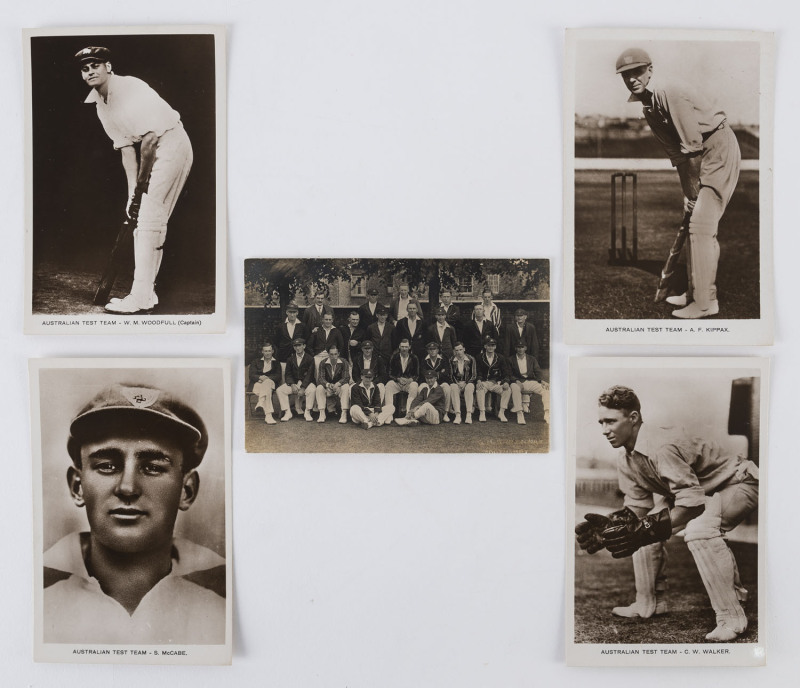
column 134, row 116
column 702, row 147
column 672, row 484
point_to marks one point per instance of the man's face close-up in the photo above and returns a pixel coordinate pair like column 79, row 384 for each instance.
column 333, row 354
column 299, row 348
column 616, row 425
column 327, row 321
column 440, row 318
column 446, row 298
column 520, row 319
column 132, row 484
column 266, row 352
column 459, row 351
column 354, row 320
column 319, row 298
column 403, row 292
column 404, row 348
column 95, row 74
column 292, row 315
column 412, row 311
column 487, row 298
column 479, row 312
column 490, row 348
column 382, row 318
column 636, row 79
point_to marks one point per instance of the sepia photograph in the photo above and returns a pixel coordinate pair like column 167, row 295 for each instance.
column 132, row 510
column 125, row 180
column 428, row 355
column 668, row 187
column 664, row 465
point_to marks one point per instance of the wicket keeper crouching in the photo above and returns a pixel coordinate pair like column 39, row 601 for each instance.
column 668, row 486
column 135, row 452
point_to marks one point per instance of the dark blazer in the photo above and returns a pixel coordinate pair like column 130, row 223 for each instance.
column 511, row 337
column 333, row 374
column 446, row 343
column 435, row 397
column 412, row 369
column 320, row 342
column 367, row 318
column 384, row 343
column 302, row 374
column 442, row 369
column 496, row 372
column 396, row 304
column 377, row 365
column 312, row 319
column 470, row 370
column 358, row 334
column 257, row 370
column 368, row 401
column 534, row 371
column 401, row 331
column 285, row 348
column 452, row 317
column 473, row 340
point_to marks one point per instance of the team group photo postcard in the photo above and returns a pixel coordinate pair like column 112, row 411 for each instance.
column 132, row 510
column 666, row 469
column 125, row 207
column 668, row 146
column 428, row 355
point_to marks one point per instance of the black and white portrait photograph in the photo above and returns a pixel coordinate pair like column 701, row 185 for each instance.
column 132, row 510
column 665, row 458
column 125, row 166
column 397, row 355
column 668, row 187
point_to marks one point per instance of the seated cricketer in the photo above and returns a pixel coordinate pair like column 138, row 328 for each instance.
column 365, row 403
column 265, row 378
column 463, row 373
column 299, row 381
column 333, row 381
column 433, row 361
column 526, row 377
column 135, row 453
column 492, row 378
column 403, row 374
column 428, row 405
column 367, row 359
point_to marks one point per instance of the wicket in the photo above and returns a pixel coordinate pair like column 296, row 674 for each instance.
column 622, row 255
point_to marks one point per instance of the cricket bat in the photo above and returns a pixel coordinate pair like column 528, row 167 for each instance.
column 124, row 236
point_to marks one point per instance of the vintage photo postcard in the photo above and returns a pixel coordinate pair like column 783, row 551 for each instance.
column 132, row 510
column 125, row 155
column 668, row 146
column 666, row 470
column 397, row 355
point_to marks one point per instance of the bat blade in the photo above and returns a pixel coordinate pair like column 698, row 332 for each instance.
column 109, row 276
column 668, row 270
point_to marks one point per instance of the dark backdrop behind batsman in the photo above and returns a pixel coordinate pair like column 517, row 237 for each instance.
column 79, row 185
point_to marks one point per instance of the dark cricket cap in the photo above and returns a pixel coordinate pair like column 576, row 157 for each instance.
column 440, row 311
column 367, row 344
column 430, row 373
column 631, row 59
column 292, row 307
column 143, row 408
column 521, row 345
column 298, row 340
column 372, row 292
column 489, row 340
column 432, row 345
column 368, row 373
column 93, row 53
column 381, row 310
column 520, row 311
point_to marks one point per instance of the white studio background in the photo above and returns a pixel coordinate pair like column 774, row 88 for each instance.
column 413, row 128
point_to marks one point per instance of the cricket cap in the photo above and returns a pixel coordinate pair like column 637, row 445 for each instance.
column 631, row 59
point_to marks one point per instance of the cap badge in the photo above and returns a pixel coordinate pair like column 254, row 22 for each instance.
column 141, row 397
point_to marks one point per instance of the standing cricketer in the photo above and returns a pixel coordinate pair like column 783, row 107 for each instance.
column 156, row 156
column 701, row 145
column 672, row 484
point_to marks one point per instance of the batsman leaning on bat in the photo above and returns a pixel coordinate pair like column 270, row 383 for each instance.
column 133, row 113
column 700, row 144
column 706, row 494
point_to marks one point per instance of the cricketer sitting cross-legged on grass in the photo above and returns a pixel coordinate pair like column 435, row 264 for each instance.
column 700, row 144
column 672, row 484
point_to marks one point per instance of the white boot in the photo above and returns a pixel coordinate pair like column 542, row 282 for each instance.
column 147, row 253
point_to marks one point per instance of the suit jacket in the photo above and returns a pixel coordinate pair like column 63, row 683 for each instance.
column 285, row 349
column 534, row 371
column 367, row 318
column 452, row 317
column 302, row 374
column 333, row 374
column 441, row 367
column 377, row 365
column 257, row 370
column 402, row 331
column 412, row 369
column 470, row 370
column 384, row 343
column 358, row 334
column 312, row 319
column 368, row 401
column 446, row 343
column 435, row 397
column 320, row 342
column 473, row 340
column 497, row 371
column 396, row 304
column 511, row 337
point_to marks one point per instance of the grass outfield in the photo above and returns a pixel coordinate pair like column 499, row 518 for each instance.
column 626, row 291
column 602, row 582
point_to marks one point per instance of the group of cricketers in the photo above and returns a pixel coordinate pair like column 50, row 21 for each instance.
column 382, row 354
